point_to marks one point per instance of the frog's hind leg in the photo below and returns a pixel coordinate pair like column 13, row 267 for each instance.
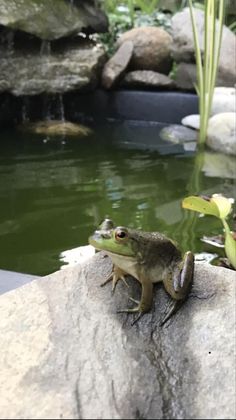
column 116, row 275
column 170, row 309
column 178, row 284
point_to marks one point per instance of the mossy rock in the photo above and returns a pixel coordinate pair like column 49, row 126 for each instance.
column 56, row 128
column 50, row 19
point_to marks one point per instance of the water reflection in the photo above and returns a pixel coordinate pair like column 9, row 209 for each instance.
column 52, row 197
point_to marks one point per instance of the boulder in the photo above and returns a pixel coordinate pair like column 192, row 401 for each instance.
column 183, row 44
column 29, row 72
column 116, row 66
column 224, row 100
column 151, row 48
column 186, row 77
column 221, row 133
column 192, row 121
column 147, row 79
column 56, row 128
column 176, row 133
column 66, row 353
column 50, row 19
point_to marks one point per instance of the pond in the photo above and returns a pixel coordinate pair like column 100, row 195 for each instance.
column 54, row 192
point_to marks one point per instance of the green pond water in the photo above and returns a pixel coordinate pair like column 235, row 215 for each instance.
column 54, row 192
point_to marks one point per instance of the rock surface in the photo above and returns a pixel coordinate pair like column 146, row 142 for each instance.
column 75, row 66
column 56, row 128
column 147, row 79
column 65, row 353
column 186, row 76
column 224, row 100
column 176, row 133
column 50, row 19
column 183, row 45
column 192, row 121
column 116, row 66
column 221, row 133
column 151, row 48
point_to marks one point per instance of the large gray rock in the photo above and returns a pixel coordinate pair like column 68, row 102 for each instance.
column 192, row 121
column 116, row 66
column 65, row 353
column 50, row 19
column 183, row 45
column 221, row 133
column 147, row 79
column 176, row 133
column 186, row 77
column 151, row 48
column 224, row 100
column 27, row 72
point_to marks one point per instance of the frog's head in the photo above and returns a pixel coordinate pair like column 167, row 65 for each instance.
column 117, row 240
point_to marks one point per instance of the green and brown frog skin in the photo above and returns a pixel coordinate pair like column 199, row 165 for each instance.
column 149, row 257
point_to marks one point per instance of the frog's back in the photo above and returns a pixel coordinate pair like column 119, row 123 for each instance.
column 156, row 248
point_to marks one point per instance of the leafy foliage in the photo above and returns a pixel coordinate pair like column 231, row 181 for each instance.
column 220, row 207
column 121, row 20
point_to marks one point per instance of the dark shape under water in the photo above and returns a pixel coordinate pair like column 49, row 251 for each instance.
column 55, row 128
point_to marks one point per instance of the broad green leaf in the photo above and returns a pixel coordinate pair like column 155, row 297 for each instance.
column 230, row 248
column 200, row 205
column 223, row 204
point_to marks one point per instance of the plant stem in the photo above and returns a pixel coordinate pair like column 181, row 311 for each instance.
column 207, row 68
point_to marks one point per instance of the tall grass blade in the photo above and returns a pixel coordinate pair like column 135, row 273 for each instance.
column 208, row 65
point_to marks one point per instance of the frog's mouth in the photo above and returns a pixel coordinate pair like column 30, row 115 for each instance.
column 105, row 242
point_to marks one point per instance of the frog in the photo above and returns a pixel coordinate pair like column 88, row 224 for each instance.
column 149, row 257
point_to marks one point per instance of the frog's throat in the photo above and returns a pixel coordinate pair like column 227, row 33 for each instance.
column 115, row 255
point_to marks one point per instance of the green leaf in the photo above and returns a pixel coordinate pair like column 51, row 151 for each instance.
column 224, row 205
column 201, row 205
column 230, row 248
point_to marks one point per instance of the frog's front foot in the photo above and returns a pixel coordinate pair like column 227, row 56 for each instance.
column 116, row 275
column 136, row 309
column 143, row 306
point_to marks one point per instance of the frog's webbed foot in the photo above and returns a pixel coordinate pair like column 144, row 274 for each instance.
column 170, row 309
column 116, row 275
column 143, row 305
column 133, row 310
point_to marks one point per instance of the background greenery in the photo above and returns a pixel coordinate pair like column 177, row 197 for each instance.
column 126, row 14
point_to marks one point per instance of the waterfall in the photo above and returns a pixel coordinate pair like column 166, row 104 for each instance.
column 61, row 108
column 25, row 110
column 10, row 42
column 45, row 48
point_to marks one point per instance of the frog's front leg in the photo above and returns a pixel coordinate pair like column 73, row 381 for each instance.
column 178, row 284
column 145, row 303
column 116, row 275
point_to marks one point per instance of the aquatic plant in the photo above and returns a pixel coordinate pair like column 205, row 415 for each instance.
column 220, row 207
column 207, row 65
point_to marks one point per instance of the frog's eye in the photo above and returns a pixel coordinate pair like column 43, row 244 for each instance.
column 121, row 234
